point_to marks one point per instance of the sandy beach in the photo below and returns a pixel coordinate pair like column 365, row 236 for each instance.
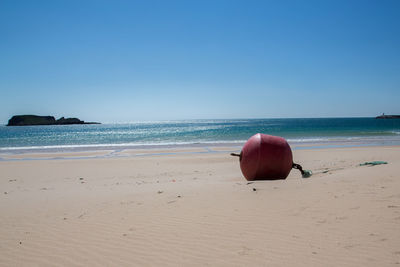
column 192, row 207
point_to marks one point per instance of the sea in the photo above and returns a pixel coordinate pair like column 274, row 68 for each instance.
column 300, row 133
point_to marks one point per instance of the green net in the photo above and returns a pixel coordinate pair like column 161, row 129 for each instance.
column 306, row 173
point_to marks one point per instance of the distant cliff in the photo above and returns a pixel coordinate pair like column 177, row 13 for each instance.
column 383, row 116
column 24, row 120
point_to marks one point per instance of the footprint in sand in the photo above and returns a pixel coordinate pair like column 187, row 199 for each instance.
column 244, row 251
column 351, row 246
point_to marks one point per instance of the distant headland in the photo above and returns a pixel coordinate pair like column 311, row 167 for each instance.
column 383, row 116
column 25, row 120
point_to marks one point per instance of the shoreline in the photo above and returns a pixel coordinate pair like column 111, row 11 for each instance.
column 155, row 152
column 207, row 147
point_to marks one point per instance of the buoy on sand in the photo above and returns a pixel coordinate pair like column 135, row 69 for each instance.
column 266, row 157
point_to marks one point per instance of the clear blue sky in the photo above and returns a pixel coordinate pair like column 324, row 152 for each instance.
column 116, row 61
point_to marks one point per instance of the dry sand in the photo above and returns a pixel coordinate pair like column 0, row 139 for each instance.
column 194, row 208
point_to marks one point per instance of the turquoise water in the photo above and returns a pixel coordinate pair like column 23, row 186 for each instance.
column 200, row 132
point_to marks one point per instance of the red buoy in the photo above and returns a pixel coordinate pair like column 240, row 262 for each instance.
column 266, row 157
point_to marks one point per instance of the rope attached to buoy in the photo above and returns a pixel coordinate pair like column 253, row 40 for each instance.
column 237, row 155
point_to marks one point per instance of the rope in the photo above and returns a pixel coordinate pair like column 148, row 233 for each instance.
column 237, row 155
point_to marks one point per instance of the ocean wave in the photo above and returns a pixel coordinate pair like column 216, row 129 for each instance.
column 305, row 140
column 127, row 145
column 301, row 140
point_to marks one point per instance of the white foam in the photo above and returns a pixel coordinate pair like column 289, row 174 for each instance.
column 97, row 146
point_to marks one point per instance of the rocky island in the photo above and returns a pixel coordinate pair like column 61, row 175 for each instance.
column 383, row 116
column 25, row 120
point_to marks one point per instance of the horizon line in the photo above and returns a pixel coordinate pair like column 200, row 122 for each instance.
column 221, row 119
